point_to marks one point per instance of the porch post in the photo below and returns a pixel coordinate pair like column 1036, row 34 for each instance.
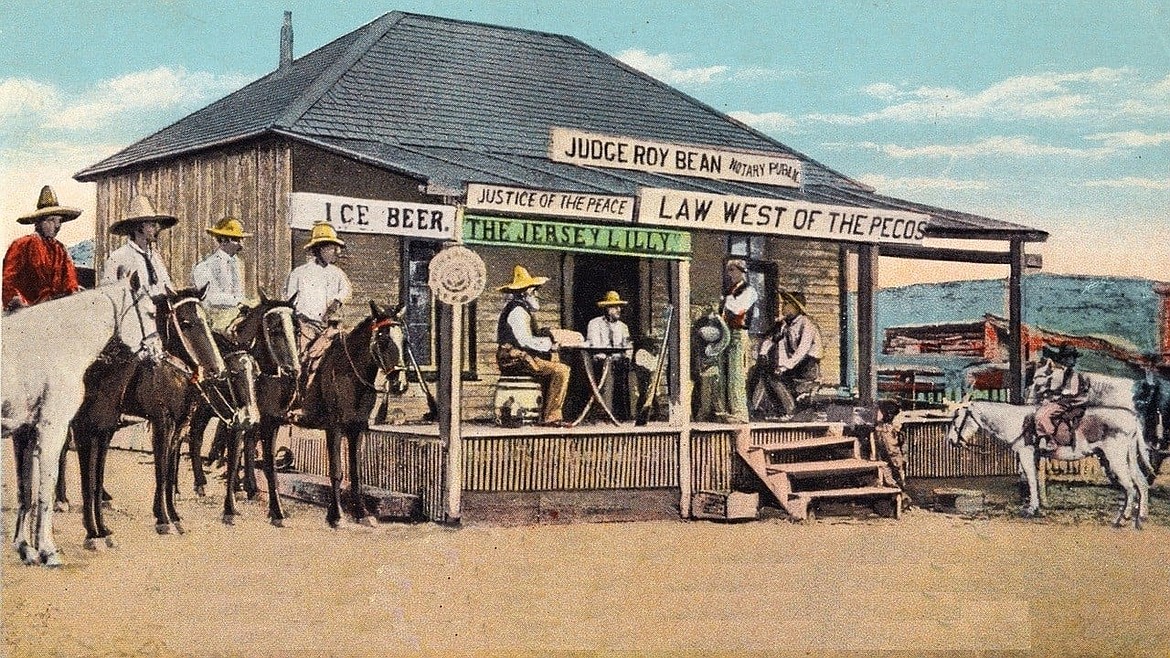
column 843, row 340
column 867, row 272
column 451, row 398
column 680, row 382
column 1016, row 324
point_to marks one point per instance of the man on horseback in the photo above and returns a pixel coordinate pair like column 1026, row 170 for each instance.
column 223, row 274
column 1062, row 398
column 522, row 352
column 141, row 229
column 37, row 267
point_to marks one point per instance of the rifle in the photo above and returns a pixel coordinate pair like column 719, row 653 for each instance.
column 432, row 404
column 652, row 392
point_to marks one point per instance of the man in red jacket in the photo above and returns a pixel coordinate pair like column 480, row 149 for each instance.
column 37, row 267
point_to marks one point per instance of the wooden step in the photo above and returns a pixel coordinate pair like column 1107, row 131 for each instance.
column 828, row 467
column 800, row 444
column 853, row 492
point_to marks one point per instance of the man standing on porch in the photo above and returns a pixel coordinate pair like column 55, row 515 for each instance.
column 522, row 352
column 738, row 309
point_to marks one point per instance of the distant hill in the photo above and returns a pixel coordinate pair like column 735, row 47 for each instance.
column 1122, row 308
column 82, row 254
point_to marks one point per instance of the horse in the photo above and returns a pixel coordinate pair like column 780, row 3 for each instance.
column 164, row 394
column 341, row 395
column 268, row 333
column 1109, row 432
column 46, row 350
column 1152, row 401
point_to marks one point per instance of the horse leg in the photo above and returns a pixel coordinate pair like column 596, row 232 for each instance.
column 53, row 435
column 102, row 449
column 1114, row 458
column 333, row 442
column 1028, row 464
column 173, row 455
column 251, row 490
column 231, row 440
column 199, row 422
column 160, row 441
column 266, row 433
column 61, row 500
column 83, row 437
column 22, row 440
column 354, row 436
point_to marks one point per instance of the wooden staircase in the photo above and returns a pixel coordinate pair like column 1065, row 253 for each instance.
column 803, row 472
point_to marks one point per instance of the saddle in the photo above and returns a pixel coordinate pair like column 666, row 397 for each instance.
column 306, row 402
column 1066, row 425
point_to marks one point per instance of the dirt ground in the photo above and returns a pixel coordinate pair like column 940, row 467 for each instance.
column 1064, row 585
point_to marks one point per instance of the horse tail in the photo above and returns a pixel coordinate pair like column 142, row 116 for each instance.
column 1143, row 454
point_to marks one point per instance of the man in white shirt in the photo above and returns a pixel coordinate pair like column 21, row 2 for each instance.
column 142, row 228
column 789, row 363
column 320, row 286
column 608, row 330
column 223, row 274
column 522, row 352
column 738, row 309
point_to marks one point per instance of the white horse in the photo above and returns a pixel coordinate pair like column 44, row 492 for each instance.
column 1111, row 433
column 46, row 349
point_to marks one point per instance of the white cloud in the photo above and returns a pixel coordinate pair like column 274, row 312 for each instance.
column 1023, row 147
column 766, row 121
column 161, row 88
column 24, row 96
column 1130, row 182
column 886, row 184
column 1130, row 139
column 666, row 68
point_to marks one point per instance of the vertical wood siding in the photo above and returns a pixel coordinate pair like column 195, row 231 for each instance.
column 929, row 454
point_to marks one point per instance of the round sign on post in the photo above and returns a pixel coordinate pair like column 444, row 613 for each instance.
column 457, row 275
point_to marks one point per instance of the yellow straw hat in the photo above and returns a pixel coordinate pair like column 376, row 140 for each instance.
column 47, row 207
column 612, row 298
column 796, row 299
column 323, row 233
column 522, row 280
column 141, row 210
column 229, row 227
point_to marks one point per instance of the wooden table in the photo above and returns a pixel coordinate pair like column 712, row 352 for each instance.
column 587, row 353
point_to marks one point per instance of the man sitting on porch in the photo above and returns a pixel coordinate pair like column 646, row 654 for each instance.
column 789, row 363
column 522, row 352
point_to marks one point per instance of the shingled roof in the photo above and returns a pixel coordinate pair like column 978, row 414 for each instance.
column 449, row 102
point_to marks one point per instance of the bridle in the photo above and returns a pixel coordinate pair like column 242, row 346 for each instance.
column 275, row 317
column 959, row 425
column 209, row 384
column 375, row 353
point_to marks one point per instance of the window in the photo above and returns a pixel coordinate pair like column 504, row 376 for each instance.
column 422, row 316
column 761, row 276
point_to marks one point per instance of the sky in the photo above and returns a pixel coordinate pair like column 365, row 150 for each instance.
column 1054, row 115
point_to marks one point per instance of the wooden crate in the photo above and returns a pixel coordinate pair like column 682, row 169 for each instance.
column 725, row 506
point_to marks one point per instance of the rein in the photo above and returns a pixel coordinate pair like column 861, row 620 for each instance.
column 120, row 316
column 375, row 354
column 962, row 442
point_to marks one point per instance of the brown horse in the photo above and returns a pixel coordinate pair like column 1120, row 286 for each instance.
column 164, row 394
column 268, row 333
column 342, row 394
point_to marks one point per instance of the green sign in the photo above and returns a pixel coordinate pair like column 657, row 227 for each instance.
column 589, row 238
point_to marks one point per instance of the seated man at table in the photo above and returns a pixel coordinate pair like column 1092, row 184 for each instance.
column 608, row 330
column 522, row 352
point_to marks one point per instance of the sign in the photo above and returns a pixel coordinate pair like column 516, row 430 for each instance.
column 457, row 275
column 593, row 150
column 414, row 220
column 698, row 210
column 525, row 201
column 538, row 234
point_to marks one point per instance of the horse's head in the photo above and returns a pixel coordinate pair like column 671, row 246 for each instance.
column 273, row 324
column 963, row 426
column 242, row 371
column 387, row 345
column 136, row 319
column 186, row 332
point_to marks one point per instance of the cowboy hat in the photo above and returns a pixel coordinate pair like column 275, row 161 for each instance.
column 141, row 210
column 47, row 207
column 522, row 280
column 1065, row 355
column 323, row 233
column 612, row 298
column 794, row 298
column 228, row 227
column 712, row 335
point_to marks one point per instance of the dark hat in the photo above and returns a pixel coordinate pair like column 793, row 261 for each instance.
column 1065, row 355
column 795, row 298
column 141, row 210
column 47, row 206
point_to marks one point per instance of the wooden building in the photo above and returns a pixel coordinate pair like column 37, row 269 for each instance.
column 535, row 149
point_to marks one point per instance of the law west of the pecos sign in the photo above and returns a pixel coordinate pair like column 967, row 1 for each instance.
column 742, row 214
column 414, row 220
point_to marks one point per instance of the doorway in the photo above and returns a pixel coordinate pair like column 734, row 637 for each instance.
column 593, row 275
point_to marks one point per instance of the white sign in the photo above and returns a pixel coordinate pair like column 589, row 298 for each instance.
column 346, row 214
column 544, row 202
column 698, row 210
column 590, row 149
column 457, row 275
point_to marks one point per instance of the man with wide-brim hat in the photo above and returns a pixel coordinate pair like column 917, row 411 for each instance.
column 222, row 272
column 320, row 286
column 37, row 267
column 522, row 352
column 141, row 226
column 1061, row 392
column 608, row 330
column 788, row 364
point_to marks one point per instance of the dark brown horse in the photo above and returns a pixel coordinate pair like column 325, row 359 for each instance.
column 268, row 333
column 342, row 394
column 163, row 393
